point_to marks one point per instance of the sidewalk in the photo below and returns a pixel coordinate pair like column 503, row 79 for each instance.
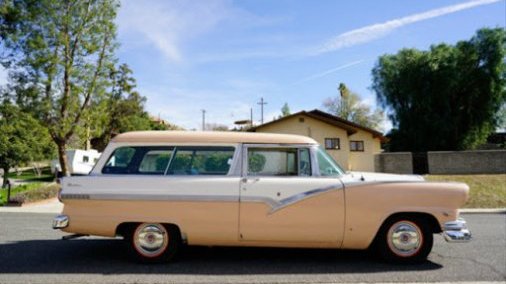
column 45, row 206
column 54, row 206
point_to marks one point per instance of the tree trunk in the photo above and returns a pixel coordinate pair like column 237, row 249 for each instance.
column 5, row 178
column 62, row 156
column 87, row 143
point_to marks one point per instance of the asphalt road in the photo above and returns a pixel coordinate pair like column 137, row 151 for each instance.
column 31, row 252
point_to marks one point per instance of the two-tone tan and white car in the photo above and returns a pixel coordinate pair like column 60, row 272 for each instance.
column 162, row 189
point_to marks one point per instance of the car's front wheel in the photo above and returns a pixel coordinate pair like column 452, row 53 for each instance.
column 154, row 242
column 405, row 240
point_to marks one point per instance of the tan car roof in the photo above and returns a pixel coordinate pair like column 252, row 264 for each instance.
column 210, row 137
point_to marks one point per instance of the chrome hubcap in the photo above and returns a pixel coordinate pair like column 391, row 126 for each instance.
column 150, row 239
column 405, row 238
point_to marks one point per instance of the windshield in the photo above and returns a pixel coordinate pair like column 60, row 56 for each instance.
column 327, row 165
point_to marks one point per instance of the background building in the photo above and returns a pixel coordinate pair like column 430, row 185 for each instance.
column 352, row 145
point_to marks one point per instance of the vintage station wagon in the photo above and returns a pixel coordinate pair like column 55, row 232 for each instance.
column 162, row 189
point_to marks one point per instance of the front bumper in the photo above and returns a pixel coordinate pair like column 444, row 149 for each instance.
column 456, row 231
column 60, row 222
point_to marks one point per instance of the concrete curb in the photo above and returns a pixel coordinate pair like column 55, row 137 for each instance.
column 44, row 206
column 483, row 210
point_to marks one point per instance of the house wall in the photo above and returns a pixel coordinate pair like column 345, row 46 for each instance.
column 364, row 161
column 318, row 130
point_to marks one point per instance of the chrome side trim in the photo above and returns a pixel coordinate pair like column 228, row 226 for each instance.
column 60, row 222
column 274, row 204
column 165, row 197
column 457, row 231
column 291, row 200
column 369, row 183
column 260, row 199
column 283, row 203
column 74, row 196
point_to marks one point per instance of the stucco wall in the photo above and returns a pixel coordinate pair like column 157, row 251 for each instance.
column 363, row 161
column 467, row 162
column 446, row 162
column 318, row 130
column 397, row 163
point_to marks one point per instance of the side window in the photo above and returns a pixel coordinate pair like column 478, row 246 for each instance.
column 279, row 162
column 155, row 162
column 327, row 165
column 139, row 160
column 201, row 161
column 119, row 161
column 305, row 162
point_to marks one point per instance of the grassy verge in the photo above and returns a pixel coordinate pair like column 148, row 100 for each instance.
column 19, row 189
column 43, row 192
column 486, row 191
column 30, row 175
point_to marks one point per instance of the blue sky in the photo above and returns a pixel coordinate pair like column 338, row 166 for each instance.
column 222, row 56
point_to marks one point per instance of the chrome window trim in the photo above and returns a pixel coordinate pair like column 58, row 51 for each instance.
column 232, row 171
column 244, row 159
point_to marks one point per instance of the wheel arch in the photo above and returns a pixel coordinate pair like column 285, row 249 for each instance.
column 124, row 228
column 429, row 218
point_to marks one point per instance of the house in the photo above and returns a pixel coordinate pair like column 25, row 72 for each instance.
column 353, row 146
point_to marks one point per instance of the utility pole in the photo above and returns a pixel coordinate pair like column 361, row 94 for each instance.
column 203, row 119
column 251, row 117
column 262, row 103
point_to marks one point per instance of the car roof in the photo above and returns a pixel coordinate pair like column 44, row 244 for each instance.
column 210, row 137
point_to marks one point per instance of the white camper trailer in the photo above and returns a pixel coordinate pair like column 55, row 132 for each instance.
column 80, row 162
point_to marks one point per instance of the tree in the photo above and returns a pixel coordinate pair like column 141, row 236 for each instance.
column 501, row 118
column 446, row 98
column 23, row 139
column 348, row 106
column 120, row 110
column 216, row 127
column 285, row 110
column 64, row 49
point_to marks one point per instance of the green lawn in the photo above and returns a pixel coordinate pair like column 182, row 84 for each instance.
column 29, row 175
column 19, row 189
column 486, row 191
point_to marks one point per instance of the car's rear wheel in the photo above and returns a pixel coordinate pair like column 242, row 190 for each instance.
column 154, row 242
column 405, row 240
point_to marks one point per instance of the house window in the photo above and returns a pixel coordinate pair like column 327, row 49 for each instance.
column 86, row 159
column 332, row 144
column 357, row 146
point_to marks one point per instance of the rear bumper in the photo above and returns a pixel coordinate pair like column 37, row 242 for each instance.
column 456, row 231
column 60, row 222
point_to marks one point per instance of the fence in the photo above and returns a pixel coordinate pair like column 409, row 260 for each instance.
column 443, row 162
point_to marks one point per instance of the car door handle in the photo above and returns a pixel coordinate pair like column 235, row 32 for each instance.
column 246, row 180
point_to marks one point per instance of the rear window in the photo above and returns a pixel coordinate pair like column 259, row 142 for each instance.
column 156, row 160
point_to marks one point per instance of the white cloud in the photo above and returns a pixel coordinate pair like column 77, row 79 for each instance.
column 330, row 71
column 372, row 32
column 168, row 24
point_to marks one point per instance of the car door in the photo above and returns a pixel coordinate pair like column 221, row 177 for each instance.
column 283, row 198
